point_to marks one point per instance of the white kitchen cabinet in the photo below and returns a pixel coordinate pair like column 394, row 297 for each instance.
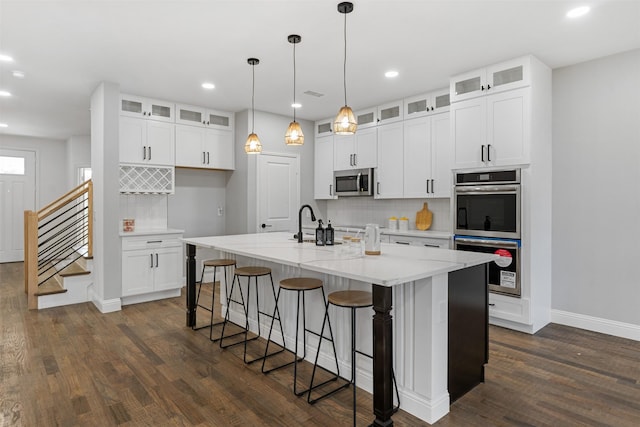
column 323, row 168
column 199, row 147
column 431, row 242
column 495, row 78
column 146, row 108
column 366, row 118
column 144, row 141
column 389, row 173
column 427, row 157
column 494, row 130
column 358, row 151
column 204, row 117
column 390, row 112
column 324, row 127
column 430, row 103
column 151, row 263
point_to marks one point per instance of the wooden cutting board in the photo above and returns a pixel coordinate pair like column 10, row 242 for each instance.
column 424, row 218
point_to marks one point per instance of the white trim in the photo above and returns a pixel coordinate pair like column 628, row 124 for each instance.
column 107, row 306
column 596, row 324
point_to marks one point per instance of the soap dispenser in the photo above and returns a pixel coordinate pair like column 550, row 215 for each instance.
column 319, row 234
column 328, row 235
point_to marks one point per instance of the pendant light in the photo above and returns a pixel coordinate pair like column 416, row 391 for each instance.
column 345, row 122
column 294, row 135
column 253, row 145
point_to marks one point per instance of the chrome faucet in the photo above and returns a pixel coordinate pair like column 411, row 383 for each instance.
column 313, row 218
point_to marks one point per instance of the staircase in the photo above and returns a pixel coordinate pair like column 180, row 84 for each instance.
column 58, row 256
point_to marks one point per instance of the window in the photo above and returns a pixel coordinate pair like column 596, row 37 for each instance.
column 11, row 165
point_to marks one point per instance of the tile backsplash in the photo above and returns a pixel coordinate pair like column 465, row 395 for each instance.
column 364, row 210
column 148, row 210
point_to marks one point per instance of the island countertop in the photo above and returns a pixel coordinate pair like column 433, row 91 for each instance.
column 396, row 264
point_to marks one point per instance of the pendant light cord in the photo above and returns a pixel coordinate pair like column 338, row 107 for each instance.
column 294, row 81
column 253, row 94
column 344, row 68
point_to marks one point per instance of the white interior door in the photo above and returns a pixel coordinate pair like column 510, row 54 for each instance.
column 278, row 192
column 17, row 194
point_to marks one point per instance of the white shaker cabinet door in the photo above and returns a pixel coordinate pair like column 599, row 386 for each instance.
column 417, row 157
column 189, row 143
column 137, row 272
column 161, row 143
column 218, row 148
column 167, row 268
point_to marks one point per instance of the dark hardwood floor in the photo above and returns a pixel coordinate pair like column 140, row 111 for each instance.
column 141, row 366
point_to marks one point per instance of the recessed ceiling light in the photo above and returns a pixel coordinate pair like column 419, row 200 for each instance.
column 296, row 105
column 4, row 125
column 4, row 93
column 391, row 74
column 578, row 12
column 18, row 74
column 6, row 58
column 208, row 85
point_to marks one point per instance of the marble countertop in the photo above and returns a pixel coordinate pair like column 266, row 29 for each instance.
column 150, row 232
column 396, row 265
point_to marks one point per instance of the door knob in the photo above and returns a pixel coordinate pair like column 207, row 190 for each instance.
column 265, row 225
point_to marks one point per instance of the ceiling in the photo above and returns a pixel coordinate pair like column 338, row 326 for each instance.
column 167, row 49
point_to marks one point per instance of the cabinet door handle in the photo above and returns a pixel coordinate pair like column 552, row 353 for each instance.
column 432, row 108
column 489, row 153
column 156, row 259
column 427, row 186
column 331, row 189
column 149, row 152
column 482, row 155
column 378, row 187
column 144, row 153
column 351, row 160
column 488, row 86
column 482, row 87
column 208, row 158
column 433, row 189
column 431, row 246
column 355, row 160
column 151, row 256
column 203, row 158
column 402, row 243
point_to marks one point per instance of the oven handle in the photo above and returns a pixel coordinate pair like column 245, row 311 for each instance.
column 488, row 189
column 490, row 243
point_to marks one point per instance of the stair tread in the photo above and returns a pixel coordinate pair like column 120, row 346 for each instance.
column 50, row 287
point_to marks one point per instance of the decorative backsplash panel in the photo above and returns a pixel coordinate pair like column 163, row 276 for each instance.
column 147, row 179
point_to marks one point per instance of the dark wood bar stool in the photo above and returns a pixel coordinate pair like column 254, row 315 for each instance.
column 352, row 300
column 213, row 263
column 249, row 272
column 300, row 285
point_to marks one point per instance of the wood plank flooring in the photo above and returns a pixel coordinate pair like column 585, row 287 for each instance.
column 141, row 366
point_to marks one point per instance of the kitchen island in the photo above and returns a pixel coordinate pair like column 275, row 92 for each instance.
column 441, row 328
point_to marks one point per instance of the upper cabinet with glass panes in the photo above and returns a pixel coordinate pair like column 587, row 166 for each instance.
column 506, row 75
column 203, row 117
column 146, row 108
column 429, row 103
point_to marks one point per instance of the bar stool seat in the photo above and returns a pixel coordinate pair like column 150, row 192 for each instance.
column 249, row 272
column 212, row 263
column 353, row 300
column 301, row 285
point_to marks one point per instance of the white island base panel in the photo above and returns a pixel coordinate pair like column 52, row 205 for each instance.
column 419, row 332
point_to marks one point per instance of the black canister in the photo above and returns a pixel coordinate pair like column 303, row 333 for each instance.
column 320, row 234
column 328, row 235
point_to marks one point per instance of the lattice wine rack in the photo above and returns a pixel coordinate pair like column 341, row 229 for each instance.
column 147, row 179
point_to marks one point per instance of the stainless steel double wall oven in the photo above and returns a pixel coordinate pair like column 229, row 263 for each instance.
column 487, row 219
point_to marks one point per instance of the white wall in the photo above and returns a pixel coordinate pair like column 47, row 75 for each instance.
column 596, row 189
column 78, row 155
column 194, row 206
column 241, row 191
column 51, row 164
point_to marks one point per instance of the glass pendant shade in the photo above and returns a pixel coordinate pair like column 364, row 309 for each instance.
column 294, row 135
column 345, row 122
column 253, row 145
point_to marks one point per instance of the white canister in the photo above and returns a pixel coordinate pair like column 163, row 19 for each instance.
column 403, row 224
column 392, row 223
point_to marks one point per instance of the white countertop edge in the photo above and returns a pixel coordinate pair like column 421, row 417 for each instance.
column 150, row 232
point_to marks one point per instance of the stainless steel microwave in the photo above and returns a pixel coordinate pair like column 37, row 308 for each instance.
column 354, row 182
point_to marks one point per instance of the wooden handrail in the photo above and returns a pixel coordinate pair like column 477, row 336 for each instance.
column 85, row 187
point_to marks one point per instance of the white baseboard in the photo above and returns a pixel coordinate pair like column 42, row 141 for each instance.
column 596, row 324
column 107, row 306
